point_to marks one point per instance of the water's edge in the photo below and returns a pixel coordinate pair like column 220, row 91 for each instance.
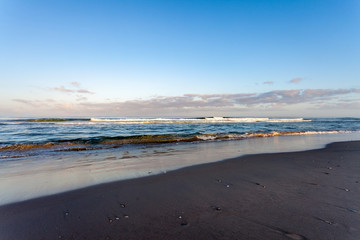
column 54, row 174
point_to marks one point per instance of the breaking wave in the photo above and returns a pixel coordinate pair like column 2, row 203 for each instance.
column 57, row 119
column 193, row 120
column 83, row 144
column 92, row 121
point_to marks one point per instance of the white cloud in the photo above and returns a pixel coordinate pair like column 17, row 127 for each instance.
column 200, row 104
column 67, row 90
column 76, row 84
column 296, row 80
column 84, row 91
column 268, row 82
column 63, row 89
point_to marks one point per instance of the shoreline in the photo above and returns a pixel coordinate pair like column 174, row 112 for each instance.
column 34, row 177
column 311, row 194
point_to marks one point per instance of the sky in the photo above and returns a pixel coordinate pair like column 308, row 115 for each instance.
column 247, row 58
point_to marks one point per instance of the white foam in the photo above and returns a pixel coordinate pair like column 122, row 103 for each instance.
column 94, row 121
column 192, row 120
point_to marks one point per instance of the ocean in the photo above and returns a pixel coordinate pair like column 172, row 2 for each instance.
column 43, row 156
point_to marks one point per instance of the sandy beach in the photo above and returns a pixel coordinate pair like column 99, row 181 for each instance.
column 179, row 120
column 301, row 195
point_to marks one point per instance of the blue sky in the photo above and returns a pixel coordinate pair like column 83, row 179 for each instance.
column 179, row 58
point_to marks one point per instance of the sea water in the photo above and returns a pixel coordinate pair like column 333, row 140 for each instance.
column 45, row 156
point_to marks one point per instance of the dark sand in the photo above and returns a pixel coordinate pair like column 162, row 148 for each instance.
column 303, row 195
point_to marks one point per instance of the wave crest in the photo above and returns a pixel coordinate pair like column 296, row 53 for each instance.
column 111, row 142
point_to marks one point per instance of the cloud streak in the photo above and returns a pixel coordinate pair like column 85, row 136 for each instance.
column 296, row 80
column 76, row 84
column 195, row 104
column 67, row 90
column 268, row 82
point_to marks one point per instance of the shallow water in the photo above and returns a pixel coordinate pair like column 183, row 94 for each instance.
column 38, row 135
column 50, row 172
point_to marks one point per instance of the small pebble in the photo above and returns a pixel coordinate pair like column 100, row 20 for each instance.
column 353, row 210
column 295, row 236
column 315, row 184
column 260, row 185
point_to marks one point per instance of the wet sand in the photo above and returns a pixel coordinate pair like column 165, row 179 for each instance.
column 302, row 195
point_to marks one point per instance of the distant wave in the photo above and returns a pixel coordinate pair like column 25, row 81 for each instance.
column 193, row 120
column 92, row 121
column 44, row 121
column 57, row 119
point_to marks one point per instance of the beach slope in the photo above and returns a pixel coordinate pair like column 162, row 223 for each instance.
column 301, row 195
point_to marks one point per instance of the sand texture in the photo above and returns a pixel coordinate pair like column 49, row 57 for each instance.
column 303, row 195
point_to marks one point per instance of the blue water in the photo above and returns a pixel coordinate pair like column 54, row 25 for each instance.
column 39, row 157
column 21, row 137
column 85, row 131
